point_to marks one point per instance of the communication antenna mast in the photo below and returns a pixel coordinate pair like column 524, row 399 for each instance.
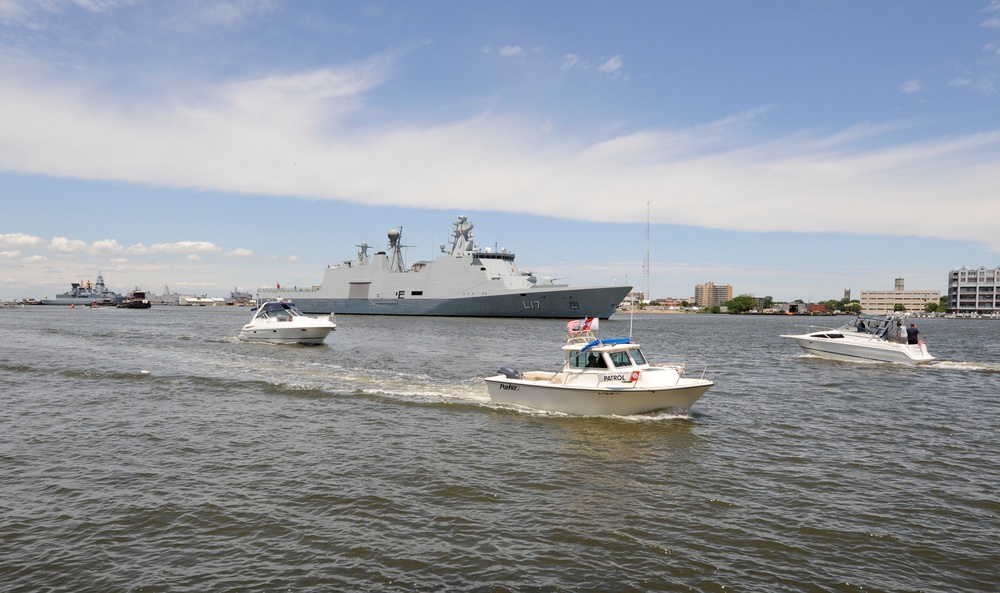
column 645, row 264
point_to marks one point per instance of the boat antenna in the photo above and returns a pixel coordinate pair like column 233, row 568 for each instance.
column 631, row 316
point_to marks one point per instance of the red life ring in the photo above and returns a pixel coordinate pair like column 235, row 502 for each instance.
column 635, row 376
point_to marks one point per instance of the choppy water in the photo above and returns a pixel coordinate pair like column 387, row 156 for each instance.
column 376, row 462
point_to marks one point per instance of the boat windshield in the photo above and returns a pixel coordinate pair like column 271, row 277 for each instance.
column 620, row 359
column 591, row 360
column 637, row 356
column 280, row 310
column 874, row 325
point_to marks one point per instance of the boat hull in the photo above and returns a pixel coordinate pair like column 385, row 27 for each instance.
column 868, row 350
column 81, row 301
column 549, row 304
column 587, row 401
column 309, row 332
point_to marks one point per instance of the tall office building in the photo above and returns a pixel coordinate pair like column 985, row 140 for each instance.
column 974, row 292
column 712, row 295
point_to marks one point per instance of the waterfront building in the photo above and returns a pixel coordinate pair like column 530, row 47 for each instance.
column 878, row 302
column 974, row 292
column 712, row 295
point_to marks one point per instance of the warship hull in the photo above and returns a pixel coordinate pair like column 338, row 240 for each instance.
column 555, row 304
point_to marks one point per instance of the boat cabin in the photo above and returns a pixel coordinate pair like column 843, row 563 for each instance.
column 278, row 310
column 604, row 354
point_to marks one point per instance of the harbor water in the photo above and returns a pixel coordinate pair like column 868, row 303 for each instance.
column 150, row 450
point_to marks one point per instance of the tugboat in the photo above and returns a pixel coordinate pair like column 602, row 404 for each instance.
column 85, row 294
column 135, row 300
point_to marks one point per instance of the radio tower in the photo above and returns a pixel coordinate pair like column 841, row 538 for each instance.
column 645, row 264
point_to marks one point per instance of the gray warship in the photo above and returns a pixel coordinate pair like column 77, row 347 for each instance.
column 85, row 293
column 466, row 281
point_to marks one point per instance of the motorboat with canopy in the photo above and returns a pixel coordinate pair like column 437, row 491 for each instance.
column 281, row 322
column 865, row 338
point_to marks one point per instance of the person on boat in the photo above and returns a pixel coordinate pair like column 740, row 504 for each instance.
column 901, row 333
column 592, row 361
column 913, row 334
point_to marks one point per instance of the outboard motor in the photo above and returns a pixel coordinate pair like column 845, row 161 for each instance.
column 510, row 373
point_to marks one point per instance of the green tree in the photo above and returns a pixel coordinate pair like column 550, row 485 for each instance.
column 931, row 307
column 768, row 302
column 899, row 307
column 741, row 304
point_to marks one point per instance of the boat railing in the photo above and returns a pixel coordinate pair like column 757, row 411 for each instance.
column 582, row 337
column 677, row 366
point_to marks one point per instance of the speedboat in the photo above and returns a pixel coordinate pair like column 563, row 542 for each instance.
column 599, row 377
column 281, row 322
column 866, row 337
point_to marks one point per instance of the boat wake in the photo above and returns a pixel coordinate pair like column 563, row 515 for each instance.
column 954, row 365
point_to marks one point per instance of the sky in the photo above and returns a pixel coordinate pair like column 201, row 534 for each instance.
column 790, row 148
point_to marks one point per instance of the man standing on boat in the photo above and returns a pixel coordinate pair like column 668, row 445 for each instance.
column 901, row 333
column 912, row 334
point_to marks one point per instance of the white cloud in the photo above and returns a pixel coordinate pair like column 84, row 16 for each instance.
column 106, row 247
column 68, row 246
column 297, row 136
column 240, row 252
column 910, row 86
column 10, row 254
column 19, row 240
column 612, row 65
column 512, row 51
column 185, row 247
column 570, row 61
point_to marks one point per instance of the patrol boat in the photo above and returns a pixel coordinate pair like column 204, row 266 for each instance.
column 599, row 377
column 466, row 281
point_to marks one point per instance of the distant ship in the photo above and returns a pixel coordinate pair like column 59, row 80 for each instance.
column 465, row 282
column 85, row 293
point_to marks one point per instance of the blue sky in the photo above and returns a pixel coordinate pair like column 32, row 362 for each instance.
column 789, row 148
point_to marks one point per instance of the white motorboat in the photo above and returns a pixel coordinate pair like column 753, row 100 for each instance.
column 281, row 322
column 866, row 337
column 600, row 377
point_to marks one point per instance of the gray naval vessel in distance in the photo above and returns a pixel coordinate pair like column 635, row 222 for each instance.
column 466, row 282
column 84, row 293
